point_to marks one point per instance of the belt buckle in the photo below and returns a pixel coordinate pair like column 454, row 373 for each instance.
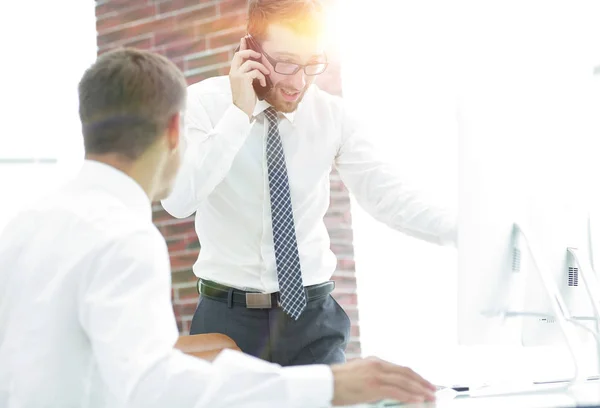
column 258, row 300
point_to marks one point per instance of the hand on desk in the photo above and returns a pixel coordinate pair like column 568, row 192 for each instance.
column 372, row 379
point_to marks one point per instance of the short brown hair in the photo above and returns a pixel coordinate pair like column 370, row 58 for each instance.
column 304, row 16
column 126, row 99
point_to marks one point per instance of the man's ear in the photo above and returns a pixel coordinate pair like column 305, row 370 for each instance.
column 174, row 128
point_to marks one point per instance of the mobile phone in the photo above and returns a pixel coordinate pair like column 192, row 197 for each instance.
column 261, row 91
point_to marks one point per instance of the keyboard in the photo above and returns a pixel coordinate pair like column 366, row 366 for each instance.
column 516, row 388
column 441, row 394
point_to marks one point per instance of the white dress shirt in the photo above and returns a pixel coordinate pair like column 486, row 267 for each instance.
column 224, row 180
column 86, row 318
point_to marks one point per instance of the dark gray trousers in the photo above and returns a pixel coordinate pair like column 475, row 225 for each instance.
column 319, row 336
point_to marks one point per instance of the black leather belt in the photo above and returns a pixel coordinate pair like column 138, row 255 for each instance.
column 253, row 300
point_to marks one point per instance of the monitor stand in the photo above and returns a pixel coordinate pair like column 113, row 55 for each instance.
column 559, row 309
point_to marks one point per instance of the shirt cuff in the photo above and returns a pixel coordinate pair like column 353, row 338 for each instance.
column 310, row 385
column 450, row 238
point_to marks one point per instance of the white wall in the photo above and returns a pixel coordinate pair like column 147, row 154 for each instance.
column 405, row 70
column 46, row 46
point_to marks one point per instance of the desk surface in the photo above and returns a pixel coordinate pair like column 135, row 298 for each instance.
column 578, row 395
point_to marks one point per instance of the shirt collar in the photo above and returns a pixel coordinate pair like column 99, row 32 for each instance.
column 262, row 105
column 118, row 184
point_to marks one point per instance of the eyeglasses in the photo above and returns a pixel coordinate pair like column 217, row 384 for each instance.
column 290, row 68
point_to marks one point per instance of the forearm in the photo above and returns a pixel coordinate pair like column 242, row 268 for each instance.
column 427, row 222
column 232, row 380
column 412, row 212
column 394, row 202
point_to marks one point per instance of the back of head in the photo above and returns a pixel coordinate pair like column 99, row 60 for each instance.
column 126, row 100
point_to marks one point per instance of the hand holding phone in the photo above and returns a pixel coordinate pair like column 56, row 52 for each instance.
column 260, row 89
column 245, row 69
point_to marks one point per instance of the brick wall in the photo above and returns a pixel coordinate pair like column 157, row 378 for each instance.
column 200, row 36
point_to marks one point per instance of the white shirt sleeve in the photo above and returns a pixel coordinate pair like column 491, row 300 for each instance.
column 208, row 156
column 126, row 311
column 385, row 195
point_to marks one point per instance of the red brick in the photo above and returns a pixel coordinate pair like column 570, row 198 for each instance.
column 184, row 259
column 348, row 217
column 344, row 234
column 172, row 36
column 352, row 313
column 175, row 245
column 195, row 15
column 342, row 248
column 336, row 220
column 190, row 292
column 133, row 14
column 179, row 325
column 189, row 47
column 346, row 299
column 346, row 265
column 339, row 202
column 354, row 331
column 160, row 214
column 162, row 217
column 204, row 61
column 184, row 309
column 184, row 322
column 187, row 237
column 183, row 276
column 337, row 186
column 192, row 79
column 187, row 323
column 156, row 206
column 177, row 227
column 344, row 283
column 353, row 348
column 136, row 30
column 208, row 74
column 222, row 70
column 219, row 24
column 227, row 6
column 144, row 43
column 230, row 38
column 192, row 243
column 183, row 240
column 167, row 6
column 117, row 6
column 180, row 62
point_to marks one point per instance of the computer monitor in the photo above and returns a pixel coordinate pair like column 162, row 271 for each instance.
column 557, row 224
column 515, row 221
column 489, row 204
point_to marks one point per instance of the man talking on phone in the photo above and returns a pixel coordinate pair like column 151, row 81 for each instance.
column 261, row 145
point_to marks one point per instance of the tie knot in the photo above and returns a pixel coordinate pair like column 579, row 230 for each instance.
column 271, row 115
